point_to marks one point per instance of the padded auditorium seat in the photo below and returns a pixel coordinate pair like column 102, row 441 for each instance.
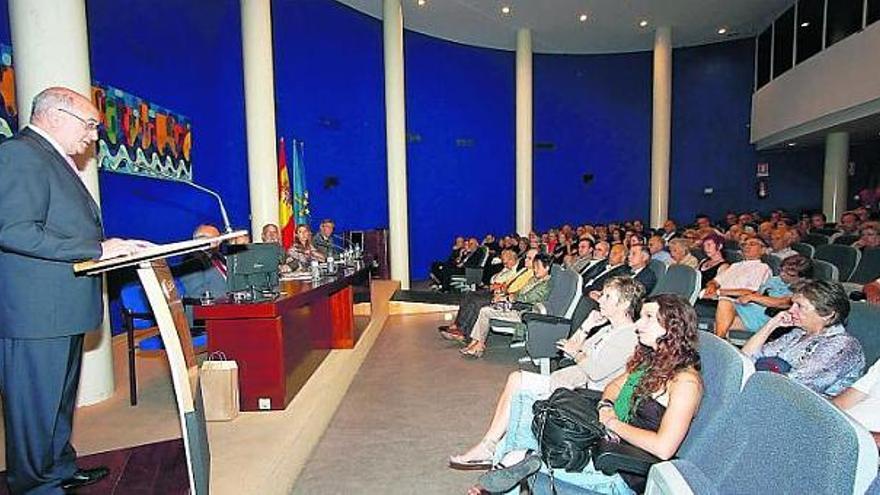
column 863, row 323
column 682, row 280
column 823, row 270
column 868, row 268
column 815, row 240
column 845, row 258
column 658, row 267
column 779, row 437
column 804, row 249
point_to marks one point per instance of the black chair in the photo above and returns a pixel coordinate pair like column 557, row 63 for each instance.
column 732, row 255
column 846, row 239
column 868, row 268
column 845, row 258
column 804, row 249
column 815, row 240
column 773, row 262
column 823, row 270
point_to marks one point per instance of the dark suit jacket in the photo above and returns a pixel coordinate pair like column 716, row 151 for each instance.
column 599, row 282
column 198, row 274
column 648, row 278
column 594, row 270
column 48, row 221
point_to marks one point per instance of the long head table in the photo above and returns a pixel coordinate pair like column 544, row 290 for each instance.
column 278, row 343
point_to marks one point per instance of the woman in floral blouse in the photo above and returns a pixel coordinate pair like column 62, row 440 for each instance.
column 817, row 352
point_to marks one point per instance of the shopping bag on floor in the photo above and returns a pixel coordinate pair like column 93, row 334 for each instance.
column 219, row 381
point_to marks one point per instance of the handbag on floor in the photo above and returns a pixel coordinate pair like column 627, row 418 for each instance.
column 567, row 427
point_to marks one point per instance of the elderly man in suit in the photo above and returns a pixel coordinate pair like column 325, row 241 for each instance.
column 48, row 221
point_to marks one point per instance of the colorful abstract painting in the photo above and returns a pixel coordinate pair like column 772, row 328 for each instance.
column 137, row 137
column 8, row 109
column 141, row 138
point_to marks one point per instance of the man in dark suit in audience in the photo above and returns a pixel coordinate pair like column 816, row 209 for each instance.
column 600, row 260
column 616, row 265
column 48, row 221
column 638, row 259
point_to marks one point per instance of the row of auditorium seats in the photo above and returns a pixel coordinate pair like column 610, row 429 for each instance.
column 755, row 432
column 567, row 308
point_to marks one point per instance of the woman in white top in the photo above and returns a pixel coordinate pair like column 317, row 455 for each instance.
column 598, row 359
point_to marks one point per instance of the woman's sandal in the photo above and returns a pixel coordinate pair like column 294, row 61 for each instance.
column 480, row 461
column 473, row 352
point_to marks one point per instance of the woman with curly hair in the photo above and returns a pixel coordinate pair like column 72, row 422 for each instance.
column 650, row 406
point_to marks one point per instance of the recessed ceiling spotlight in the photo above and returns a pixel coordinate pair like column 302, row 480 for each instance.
column 582, row 17
column 805, row 24
column 722, row 30
column 505, row 10
column 792, row 144
column 643, row 23
column 422, row 3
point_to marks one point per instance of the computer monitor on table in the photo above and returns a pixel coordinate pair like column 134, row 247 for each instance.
column 253, row 267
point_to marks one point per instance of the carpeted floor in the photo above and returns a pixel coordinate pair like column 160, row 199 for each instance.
column 414, row 402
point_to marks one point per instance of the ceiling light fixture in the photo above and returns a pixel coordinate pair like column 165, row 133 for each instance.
column 505, row 10
column 805, row 24
column 722, row 30
column 582, row 17
column 792, row 144
column 643, row 23
column 422, row 3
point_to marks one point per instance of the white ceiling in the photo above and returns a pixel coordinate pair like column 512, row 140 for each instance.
column 611, row 25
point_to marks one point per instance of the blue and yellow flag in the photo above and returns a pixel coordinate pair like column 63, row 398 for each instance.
column 299, row 192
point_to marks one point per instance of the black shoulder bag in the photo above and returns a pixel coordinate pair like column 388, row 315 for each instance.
column 567, row 428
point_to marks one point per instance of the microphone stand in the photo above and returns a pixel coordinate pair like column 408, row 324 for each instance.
column 226, row 225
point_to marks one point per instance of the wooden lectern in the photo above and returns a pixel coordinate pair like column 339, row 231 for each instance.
column 155, row 276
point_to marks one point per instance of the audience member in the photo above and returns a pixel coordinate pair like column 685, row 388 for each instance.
column 817, row 352
column 598, row 359
column 597, row 264
column 657, row 247
column 747, row 274
column 638, row 259
column 861, row 400
column 504, row 283
column 780, row 243
column 614, row 266
column 868, row 237
column 680, row 254
column 650, row 406
column 817, row 221
column 744, row 309
column 714, row 263
column 583, row 258
column 535, row 292
column 670, row 230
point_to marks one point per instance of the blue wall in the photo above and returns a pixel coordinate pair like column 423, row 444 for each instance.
column 461, row 164
column 185, row 56
column 329, row 90
column 596, row 111
column 712, row 89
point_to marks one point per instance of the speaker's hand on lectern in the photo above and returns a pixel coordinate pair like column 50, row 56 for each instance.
column 114, row 247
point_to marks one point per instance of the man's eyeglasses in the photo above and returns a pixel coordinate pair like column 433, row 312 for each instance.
column 90, row 124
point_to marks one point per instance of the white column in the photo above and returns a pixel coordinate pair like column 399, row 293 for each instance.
column 51, row 44
column 259, row 100
column 523, row 131
column 835, row 177
column 395, row 139
column 661, row 126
